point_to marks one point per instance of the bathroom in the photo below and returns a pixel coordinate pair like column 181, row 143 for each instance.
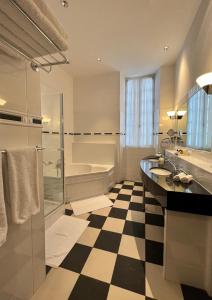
column 106, row 149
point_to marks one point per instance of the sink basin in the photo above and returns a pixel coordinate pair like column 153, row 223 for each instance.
column 160, row 171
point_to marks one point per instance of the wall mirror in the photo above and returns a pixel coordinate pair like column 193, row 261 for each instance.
column 194, row 122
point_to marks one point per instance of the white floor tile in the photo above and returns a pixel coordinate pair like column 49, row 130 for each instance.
column 57, row 286
column 154, row 233
column 126, row 192
column 159, row 288
column 153, row 209
column 117, row 293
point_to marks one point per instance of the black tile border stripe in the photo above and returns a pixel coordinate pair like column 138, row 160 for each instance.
column 85, row 133
column 11, row 117
column 37, row 121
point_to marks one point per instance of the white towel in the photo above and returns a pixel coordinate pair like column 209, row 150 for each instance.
column 3, row 216
column 17, row 29
column 23, row 183
column 179, row 176
column 186, row 179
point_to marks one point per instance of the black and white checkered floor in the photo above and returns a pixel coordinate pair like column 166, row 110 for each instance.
column 120, row 255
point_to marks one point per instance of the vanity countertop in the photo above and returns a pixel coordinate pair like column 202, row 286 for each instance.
column 192, row 197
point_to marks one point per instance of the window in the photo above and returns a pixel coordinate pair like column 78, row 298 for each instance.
column 199, row 125
column 139, row 112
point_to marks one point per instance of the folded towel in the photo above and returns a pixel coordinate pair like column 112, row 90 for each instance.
column 179, row 176
column 186, row 179
column 6, row 51
column 23, row 184
column 183, row 177
column 18, row 30
column 3, row 216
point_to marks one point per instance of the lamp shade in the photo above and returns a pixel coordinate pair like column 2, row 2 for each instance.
column 205, row 82
column 171, row 113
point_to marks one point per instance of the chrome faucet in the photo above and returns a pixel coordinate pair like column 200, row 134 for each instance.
column 173, row 165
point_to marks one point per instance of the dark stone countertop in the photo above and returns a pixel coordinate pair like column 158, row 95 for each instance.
column 176, row 196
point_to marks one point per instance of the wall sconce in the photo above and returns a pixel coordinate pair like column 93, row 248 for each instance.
column 45, row 120
column 181, row 113
column 205, row 82
column 171, row 114
column 2, row 102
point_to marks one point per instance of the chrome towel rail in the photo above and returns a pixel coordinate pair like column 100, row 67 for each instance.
column 41, row 61
column 38, row 148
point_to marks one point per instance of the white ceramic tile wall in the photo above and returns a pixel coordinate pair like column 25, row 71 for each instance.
column 22, row 256
column 13, row 83
column 94, row 153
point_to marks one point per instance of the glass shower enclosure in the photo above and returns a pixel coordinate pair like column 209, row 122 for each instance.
column 53, row 155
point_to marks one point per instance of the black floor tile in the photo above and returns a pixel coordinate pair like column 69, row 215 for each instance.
column 108, row 241
column 114, row 190
column 127, row 187
column 118, row 213
column 87, row 288
column 154, row 219
column 137, row 193
column 48, row 268
column 96, row 221
column 137, row 206
column 76, row 258
column 68, row 212
column 149, row 200
column 124, row 197
column 129, row 274
column 138, row 183
column 154, row 252
column 134, row 229
column 148, row 298
column 191, row 293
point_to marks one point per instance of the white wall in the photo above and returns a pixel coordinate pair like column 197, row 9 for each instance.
column 196, row 55
column 164, row 101
column 59, row 81
column 97, row 109
column 22, row 256
column 132, row 157
column 96, row 103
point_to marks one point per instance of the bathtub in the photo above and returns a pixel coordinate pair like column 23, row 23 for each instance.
column 87, row 180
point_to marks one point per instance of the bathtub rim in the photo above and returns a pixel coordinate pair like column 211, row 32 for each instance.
column 108, row 168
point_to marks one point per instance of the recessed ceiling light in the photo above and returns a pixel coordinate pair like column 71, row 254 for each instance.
column 166, row 48
column 99, row 59
column 64, row 3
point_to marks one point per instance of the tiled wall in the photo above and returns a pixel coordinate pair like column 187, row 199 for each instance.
column 22, row 262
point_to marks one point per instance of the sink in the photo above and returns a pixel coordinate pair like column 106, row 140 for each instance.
column 160, row 171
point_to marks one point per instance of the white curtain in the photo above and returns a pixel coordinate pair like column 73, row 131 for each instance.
column 139, row 112
column 199, row 125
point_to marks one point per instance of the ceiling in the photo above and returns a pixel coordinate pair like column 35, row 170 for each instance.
column 128, row 35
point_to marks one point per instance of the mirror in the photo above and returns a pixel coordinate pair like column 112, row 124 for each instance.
column 195, row 126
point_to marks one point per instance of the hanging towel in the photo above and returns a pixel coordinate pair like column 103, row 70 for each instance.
column 23, row 184
column 3, row 216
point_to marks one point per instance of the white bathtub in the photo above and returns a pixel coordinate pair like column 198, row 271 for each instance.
column 87, row 180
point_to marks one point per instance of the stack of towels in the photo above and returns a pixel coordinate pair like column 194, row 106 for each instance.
column 19, row 187
column 18, row 31
column 182, row 177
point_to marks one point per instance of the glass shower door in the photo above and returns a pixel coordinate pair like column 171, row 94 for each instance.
column 53, row 155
